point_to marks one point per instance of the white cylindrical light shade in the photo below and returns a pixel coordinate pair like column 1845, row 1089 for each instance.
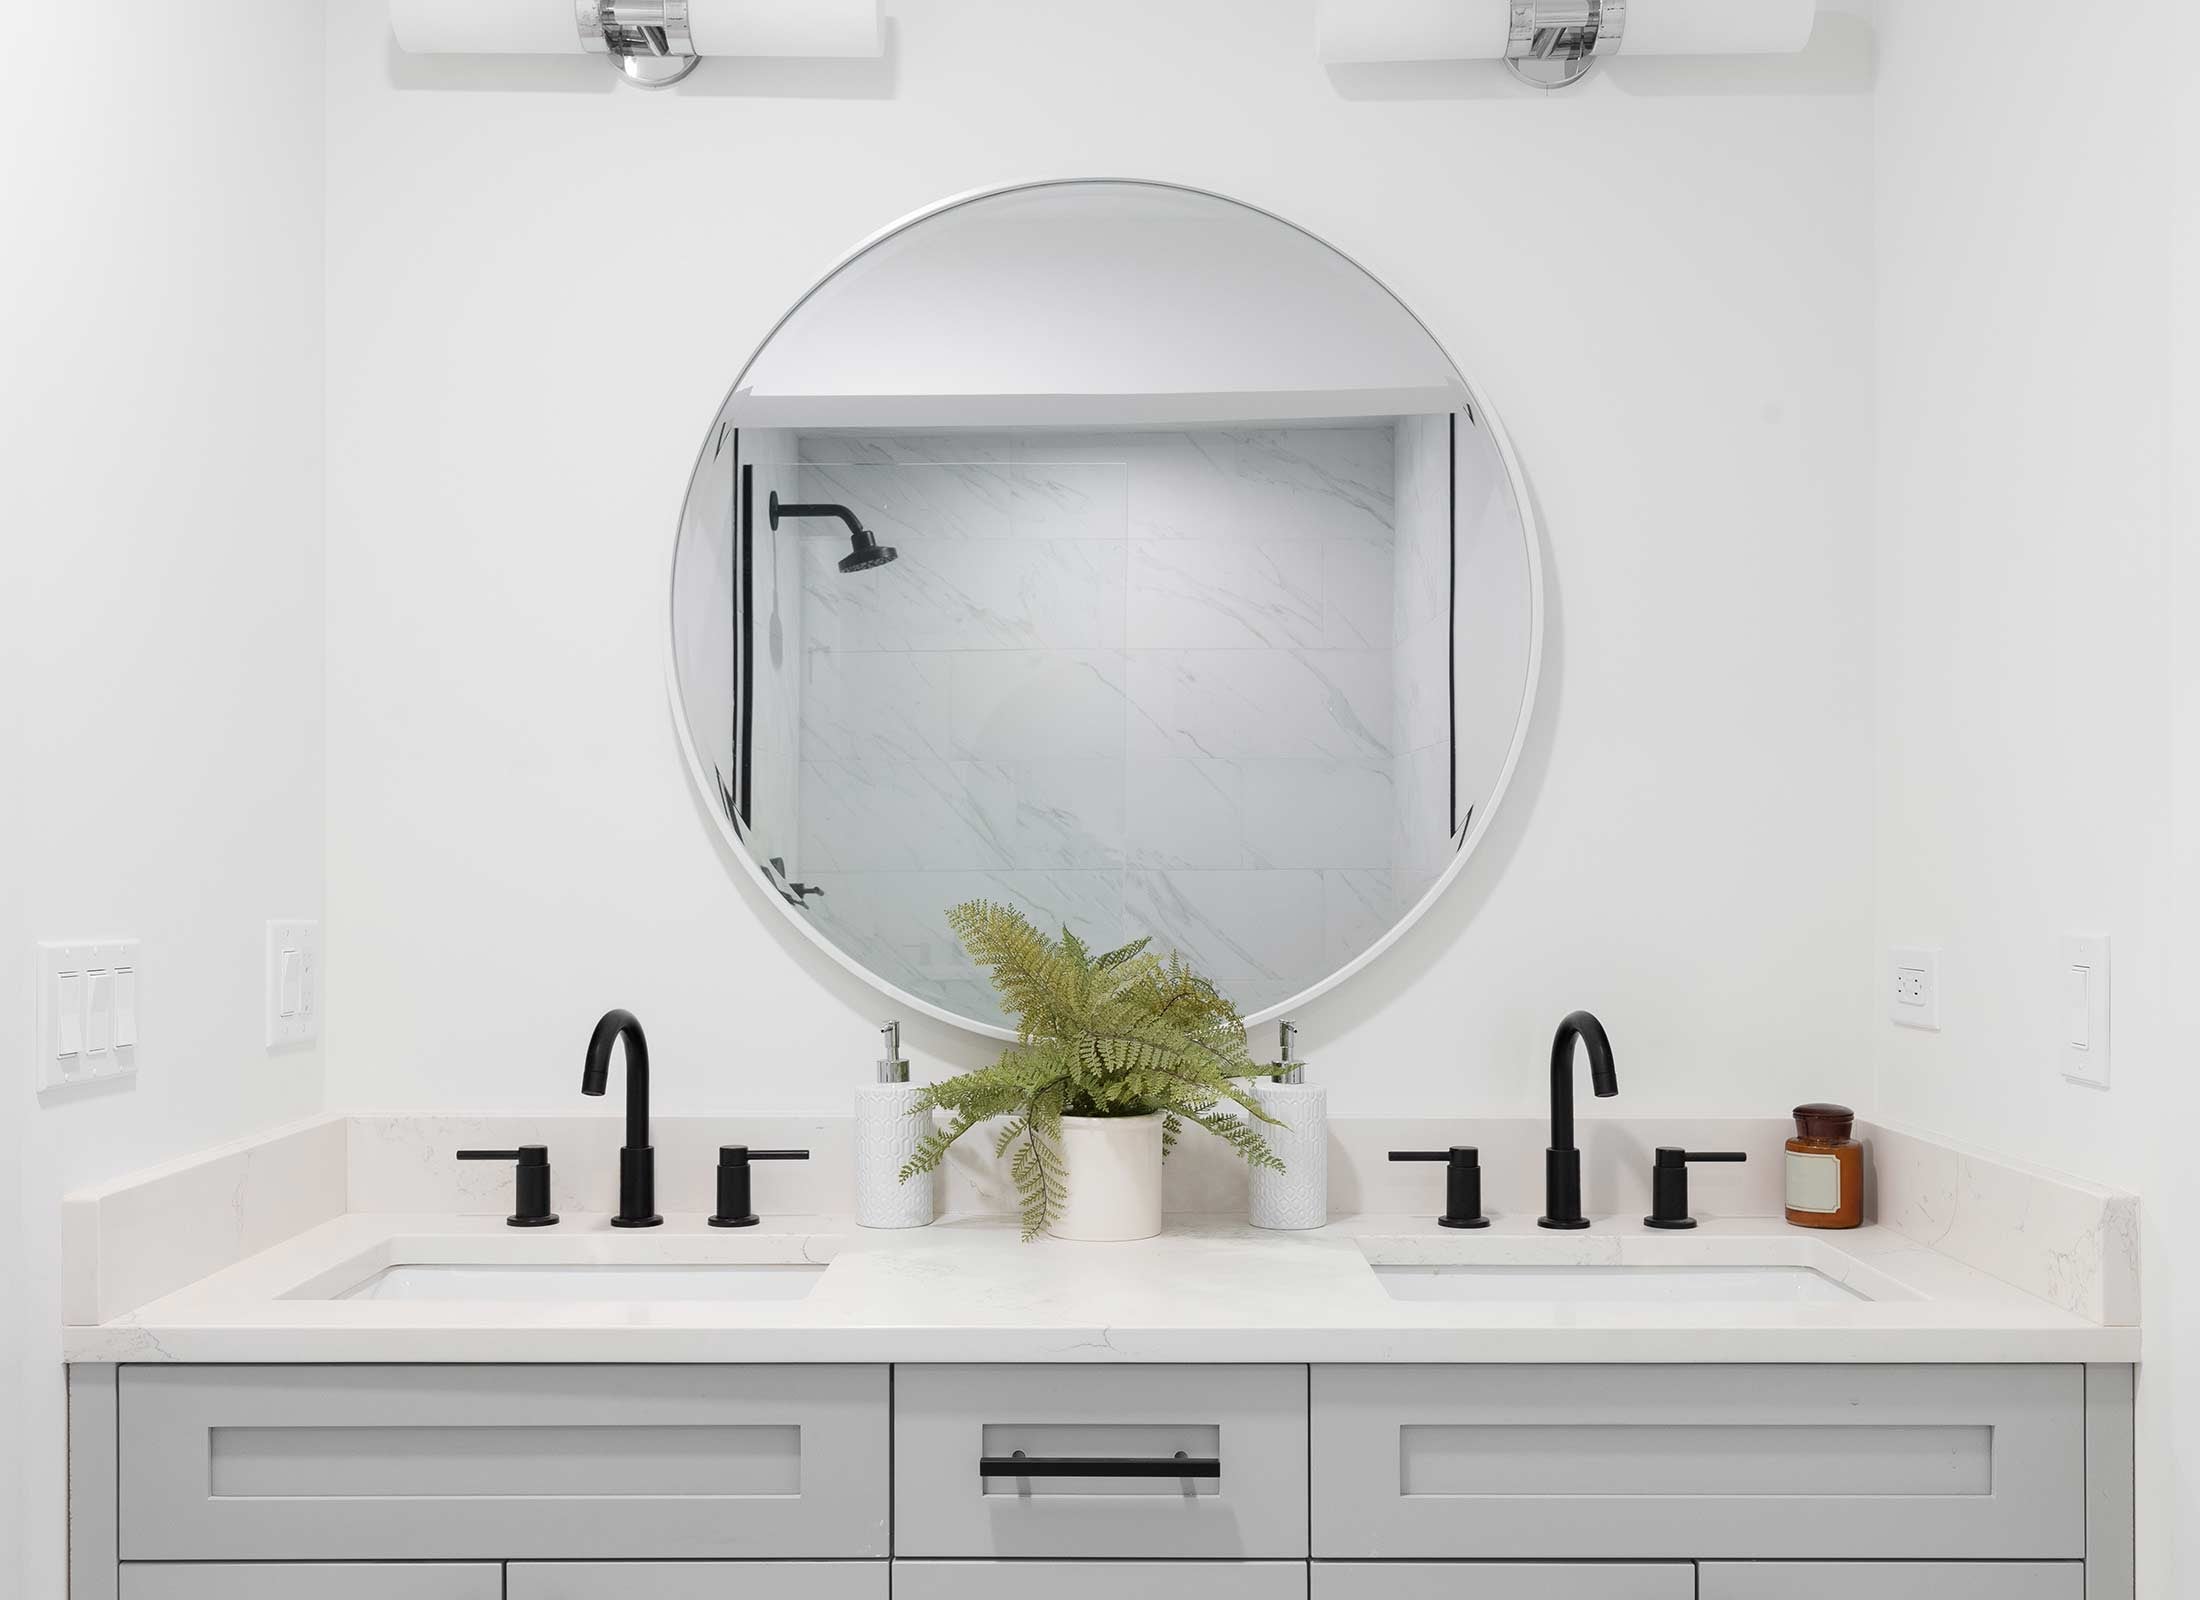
column 787, row 27
column 1412, row 30
column 1477, row 30
column 486, row 27
column 1717, row 27
column 716, row 27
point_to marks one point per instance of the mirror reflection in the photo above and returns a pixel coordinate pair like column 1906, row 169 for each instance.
column 1244, row 683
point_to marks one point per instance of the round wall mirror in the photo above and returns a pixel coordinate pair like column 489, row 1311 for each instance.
column 1117, row 552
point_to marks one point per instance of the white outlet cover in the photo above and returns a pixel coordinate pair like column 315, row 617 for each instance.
column 89, row 995
column 293, row 1007
column 2084, row 1012
column 1913, row 987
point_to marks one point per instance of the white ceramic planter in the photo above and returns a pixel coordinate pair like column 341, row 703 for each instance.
column 1114, row 1166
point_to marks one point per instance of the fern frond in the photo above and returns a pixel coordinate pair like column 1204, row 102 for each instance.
column 1124, row 1033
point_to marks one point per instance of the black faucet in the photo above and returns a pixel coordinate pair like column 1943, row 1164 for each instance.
column 637, row 1161
column 1562, row 1162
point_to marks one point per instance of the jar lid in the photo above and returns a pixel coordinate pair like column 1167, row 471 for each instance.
column 1820, row 1120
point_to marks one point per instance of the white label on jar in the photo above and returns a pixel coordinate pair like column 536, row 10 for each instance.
column 1814, row 1182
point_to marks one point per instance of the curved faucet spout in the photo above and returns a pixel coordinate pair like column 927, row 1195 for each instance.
column 1602, row 1079
column 637, row 1162
column 596, row 1070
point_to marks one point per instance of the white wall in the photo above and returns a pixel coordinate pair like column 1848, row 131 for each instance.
column 540, row 286
column 160, row 391
column 2037, row 686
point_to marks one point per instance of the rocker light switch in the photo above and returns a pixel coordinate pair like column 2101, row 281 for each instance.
column 87, row 1012
column 293, row 982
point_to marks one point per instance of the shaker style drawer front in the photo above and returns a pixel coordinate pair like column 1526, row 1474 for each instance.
column 1504, row 1580
column 1176, row 1462
column 696, row 1580
column 1892, row 1580
column 492, row 1462
column 1099, row 1580
column 1602, row 1462
column 328, row 1580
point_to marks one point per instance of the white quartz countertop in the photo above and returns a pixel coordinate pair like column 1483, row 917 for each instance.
column 1208, row 1289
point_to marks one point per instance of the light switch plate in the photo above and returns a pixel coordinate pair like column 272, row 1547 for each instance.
column 87, row 1006
column 293, row 982
column 2083, row 1009
column 1913, row 987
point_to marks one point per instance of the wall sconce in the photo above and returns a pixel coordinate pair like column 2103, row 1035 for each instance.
column 647, row 40
column 1553, row 44
column 652, row 43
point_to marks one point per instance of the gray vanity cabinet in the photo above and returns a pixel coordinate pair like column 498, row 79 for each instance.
column 1891, row 1580
column 327, row 1580
column 491, row 1463
column 696, row 1580
column 1649, row 1462
column 1503, row 1580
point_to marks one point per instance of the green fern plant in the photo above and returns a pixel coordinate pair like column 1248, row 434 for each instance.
column 1120, row 1034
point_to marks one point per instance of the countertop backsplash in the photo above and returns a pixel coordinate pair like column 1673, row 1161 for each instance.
column 2070, row 1243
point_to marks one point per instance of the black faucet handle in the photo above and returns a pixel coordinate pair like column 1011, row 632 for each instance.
column 530, row 1183
column 734, row 1208
column 1462, row 1183
column 1669, row 1183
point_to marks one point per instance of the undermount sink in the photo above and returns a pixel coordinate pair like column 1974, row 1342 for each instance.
column 594, row 1281
column 1511, row 1282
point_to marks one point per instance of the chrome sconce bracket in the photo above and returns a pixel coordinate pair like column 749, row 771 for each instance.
column 646, row 40
column 1568, row 35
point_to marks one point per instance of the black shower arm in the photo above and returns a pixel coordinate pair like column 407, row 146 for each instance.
column 820, row 509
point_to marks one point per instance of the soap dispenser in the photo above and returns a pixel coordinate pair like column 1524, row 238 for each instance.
column 888, row 1128
column 1298, row 1196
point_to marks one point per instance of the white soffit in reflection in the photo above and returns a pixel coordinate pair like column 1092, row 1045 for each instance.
column 1563, row 37
column 958, row 323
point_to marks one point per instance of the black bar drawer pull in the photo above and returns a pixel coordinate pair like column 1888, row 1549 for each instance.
column 1020, row 1465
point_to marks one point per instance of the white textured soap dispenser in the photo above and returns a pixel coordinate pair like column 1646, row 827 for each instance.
column 1298, row 1196
column 887, row 1131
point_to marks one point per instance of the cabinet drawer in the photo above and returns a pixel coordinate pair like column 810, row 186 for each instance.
column 330, row 1580
column 488, row 1462
column 1678, row 1462
column 1249, row 1421
column 1099, row 1580
column 695, row 1580
column 1503, row 1580
column 1892, row 1580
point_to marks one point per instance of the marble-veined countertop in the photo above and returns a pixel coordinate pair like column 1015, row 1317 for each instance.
column 1208, row 1289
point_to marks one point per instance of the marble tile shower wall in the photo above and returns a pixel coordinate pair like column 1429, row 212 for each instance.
column 1147, row 677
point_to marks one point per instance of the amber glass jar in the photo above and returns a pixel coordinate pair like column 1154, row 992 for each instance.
column 1825, row 1169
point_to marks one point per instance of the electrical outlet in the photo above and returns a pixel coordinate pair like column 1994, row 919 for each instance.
column 2085, row 1010
column 1913, row 987
column 293, row 983
column 87, row 1012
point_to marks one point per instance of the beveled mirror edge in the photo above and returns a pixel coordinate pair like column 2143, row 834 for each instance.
column 1483, row 413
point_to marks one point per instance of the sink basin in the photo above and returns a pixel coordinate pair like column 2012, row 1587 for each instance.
column 588, row 1281
column 1631, row 1285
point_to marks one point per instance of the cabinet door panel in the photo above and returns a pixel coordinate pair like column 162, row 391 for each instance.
column 490, row 1463
column 1099, row 1580
column 1503, row 1580
column 1892, row 1580
column 696, row 1580
column 323, row 1580
column 1722, row 1462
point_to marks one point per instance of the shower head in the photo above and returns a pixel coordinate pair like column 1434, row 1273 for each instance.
column 867, row 552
